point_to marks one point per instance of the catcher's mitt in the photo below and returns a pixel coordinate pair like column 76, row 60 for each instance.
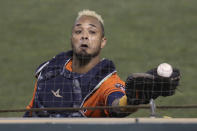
column 141, row 87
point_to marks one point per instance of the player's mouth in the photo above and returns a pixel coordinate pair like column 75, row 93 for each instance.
column 84, row 46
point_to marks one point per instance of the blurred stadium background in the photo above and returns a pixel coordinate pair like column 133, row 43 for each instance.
column 141, row 35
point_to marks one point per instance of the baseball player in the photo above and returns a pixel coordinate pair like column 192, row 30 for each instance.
column 80, row 78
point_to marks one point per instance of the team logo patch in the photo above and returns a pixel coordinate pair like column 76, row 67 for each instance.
column 118, row 85
column 56, row 93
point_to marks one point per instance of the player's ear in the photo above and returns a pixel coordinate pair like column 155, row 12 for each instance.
column 103, row 42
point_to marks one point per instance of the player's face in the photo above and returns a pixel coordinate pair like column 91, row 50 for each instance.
column 87, row 37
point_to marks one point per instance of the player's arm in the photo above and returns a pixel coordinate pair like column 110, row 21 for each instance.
column 115, row 96
column 28, row 113
column 116, row 99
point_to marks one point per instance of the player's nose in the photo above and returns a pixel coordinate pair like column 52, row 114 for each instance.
column 84, row 36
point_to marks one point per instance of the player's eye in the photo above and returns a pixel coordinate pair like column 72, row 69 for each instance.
column 77, row 31
column 92, row 32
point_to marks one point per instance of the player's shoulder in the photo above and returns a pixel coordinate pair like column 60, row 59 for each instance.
column 114, row 81
column 59, row 57
column 115, row 78
column 112, row 84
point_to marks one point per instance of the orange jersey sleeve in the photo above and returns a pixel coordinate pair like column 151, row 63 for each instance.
column 100, row 96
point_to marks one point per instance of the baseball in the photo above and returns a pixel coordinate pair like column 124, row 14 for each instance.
column 164, row 70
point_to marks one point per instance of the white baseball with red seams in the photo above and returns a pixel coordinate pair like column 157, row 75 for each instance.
column 164, row 70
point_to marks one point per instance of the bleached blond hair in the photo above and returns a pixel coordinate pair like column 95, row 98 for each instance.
column 91, row 13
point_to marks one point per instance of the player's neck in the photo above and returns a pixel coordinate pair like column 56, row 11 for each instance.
column 79, row 67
